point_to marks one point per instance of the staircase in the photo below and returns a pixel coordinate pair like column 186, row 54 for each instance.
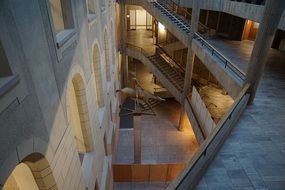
column 169, row 71
column 176, row 19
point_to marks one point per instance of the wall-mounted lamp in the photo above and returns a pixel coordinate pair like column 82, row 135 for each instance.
column 161, row 26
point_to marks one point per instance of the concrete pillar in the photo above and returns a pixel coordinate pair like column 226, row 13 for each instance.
column 137, row 139
column 182, row 120
column 124, row 68
column 271, row 17
column 190, row 54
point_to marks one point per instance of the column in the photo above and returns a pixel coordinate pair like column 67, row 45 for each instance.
column 182, row 120
column 137, row 139
column 271, row 17
column 190, row 54
column 190, row 57
column 124, row 67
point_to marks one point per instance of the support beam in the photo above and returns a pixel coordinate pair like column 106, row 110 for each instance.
column 190, row 54
column 182, row 120
column 137, row 139
column 271, row 17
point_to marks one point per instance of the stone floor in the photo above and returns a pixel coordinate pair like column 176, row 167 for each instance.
column 140, row 186
column 161, row 141
column 253, row 156
column 238, row 52
column 142, row 38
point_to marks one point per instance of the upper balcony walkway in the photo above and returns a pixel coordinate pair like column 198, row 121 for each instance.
column 253, row 155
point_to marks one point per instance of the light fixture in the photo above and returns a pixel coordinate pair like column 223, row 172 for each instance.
column 128, row 16
column 161, row 26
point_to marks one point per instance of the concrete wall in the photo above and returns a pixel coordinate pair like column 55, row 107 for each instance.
column 243, row 10
column 34, row 115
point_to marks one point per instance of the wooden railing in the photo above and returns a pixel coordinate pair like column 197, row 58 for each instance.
column 203, row 157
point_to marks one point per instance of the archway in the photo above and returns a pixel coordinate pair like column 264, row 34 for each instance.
column 33, row 173
column 79, row 115
column 98, row 76
column 107, row 56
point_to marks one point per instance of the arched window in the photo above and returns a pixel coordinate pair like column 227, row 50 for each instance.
column 33, row 173
column 79, row 116
column 98, row 76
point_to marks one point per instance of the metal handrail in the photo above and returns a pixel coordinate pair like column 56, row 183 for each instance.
column 173, row 6
column 173, row 62
column 178, row 68
column 227, row 63
column 256, row 2
column 199, row 37
column 138, row 48
column 220, row 126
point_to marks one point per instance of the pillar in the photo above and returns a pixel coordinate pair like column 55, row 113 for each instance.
column 271, row 17
column 190, row 57
column 124, row 67
column 190, row 53
column 182, row 120
column 137, row 139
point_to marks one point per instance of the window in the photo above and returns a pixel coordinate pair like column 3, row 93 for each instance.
column 91, row 7
column 5, row 70
column 7, row 79
column 91, row 10
column 62, row 18
column 102, row 5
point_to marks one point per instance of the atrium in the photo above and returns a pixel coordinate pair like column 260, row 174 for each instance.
column 142, row 94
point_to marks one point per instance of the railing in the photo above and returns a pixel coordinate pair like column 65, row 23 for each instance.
column 187, row 15
column 191, row 175
column 227, row 63
column 257, row 2
column 178, row 68
column 171, row 61
column 137, row 48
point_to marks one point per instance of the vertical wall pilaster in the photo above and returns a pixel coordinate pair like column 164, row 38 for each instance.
column 190, row 53
column 123, row 43
column 272, row 14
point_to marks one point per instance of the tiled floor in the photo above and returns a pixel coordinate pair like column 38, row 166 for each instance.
column 142, row 38
column 161, row 141
column 233, row 48
column 253, row 156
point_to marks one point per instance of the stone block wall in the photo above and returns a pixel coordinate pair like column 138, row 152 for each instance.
column 35, row 114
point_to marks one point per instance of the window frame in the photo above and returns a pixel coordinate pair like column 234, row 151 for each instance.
column 68, row 36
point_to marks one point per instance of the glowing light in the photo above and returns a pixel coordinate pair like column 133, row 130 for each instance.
column 161, row 26
column 255, row 25
column 128, row 16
